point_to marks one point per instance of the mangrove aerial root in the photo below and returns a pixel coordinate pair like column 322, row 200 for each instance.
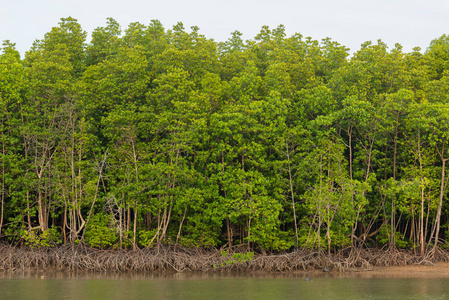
column 178, row 259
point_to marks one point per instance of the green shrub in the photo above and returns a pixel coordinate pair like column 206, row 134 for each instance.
column 145, row 236
column 36, row 238
column 100, row 232
column 309, row 238
column 384, row 237
column 235, row 258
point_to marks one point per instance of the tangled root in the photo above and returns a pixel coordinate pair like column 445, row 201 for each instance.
column 179, row 259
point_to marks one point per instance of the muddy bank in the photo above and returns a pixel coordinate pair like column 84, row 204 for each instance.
column 177, row 259
column 434, row 270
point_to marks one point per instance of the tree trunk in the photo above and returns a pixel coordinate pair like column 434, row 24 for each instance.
column 440, row 204
column 292, row 195
column 135, row 228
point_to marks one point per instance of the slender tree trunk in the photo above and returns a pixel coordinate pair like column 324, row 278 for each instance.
column 3, row 187
column 135, row 228
column 28, row 211
column 421, row 233
column 350, row 150
column 41, row 210
column 393, row 206
column 440, row 204
column 228, row 226
column 136, row 203
column 120, row 216
column 249, row 234
column 180, row 224
column 422, row 221
column 167, row 221
column 128, row 220
column 100, row 174
column 64, row 224
column 292, row 195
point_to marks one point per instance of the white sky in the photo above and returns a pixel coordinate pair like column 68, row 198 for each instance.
column 349, row 22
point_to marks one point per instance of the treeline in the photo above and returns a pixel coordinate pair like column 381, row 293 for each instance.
column 153, row 136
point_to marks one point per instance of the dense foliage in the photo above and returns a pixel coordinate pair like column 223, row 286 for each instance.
column 157, row 136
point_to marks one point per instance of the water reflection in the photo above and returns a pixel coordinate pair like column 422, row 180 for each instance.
column 47, row 284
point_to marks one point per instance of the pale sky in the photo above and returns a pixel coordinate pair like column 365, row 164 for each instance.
column 350, row 22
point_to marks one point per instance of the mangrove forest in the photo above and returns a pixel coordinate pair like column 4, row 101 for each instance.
column 152, row 137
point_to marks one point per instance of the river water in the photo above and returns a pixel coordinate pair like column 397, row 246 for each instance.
column 41, row 285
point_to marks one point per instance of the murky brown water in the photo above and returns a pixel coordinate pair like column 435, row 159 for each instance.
column 58, row 285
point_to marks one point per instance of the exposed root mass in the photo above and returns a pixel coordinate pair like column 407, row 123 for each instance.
column 175, row 259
